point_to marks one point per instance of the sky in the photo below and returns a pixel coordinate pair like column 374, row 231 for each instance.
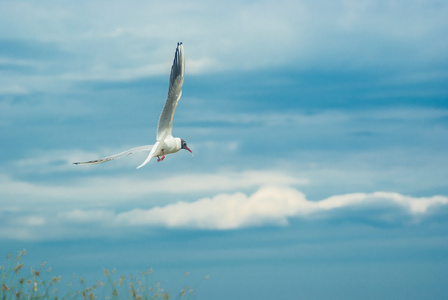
column 318, row 129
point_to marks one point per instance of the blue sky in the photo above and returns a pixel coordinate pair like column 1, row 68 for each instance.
column 319, row 133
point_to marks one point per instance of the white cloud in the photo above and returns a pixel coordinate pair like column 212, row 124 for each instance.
column 324, row 119
column 414, row 206
column 103, row 72
column 89, row 216
column 236, row 36
column 225, row 211
column 32, row 221
column 103, row 189
column 14, row 89
column 269, row 205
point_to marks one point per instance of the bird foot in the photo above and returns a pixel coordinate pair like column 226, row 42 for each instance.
column 159, row 159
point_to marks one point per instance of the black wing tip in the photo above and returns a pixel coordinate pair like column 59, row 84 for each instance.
column 178, row 64
column 178, row 50
column 89, row 162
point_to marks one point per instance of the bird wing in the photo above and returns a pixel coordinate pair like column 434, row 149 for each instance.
column 155, row 149
column 117, row 156
column 165, row 126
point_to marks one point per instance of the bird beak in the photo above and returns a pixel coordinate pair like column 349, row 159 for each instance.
column 186, row 148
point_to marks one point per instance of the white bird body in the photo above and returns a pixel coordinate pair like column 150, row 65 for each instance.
column 169, row 145
column 166, row 143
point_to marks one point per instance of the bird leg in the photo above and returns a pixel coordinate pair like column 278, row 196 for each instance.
column 161, row 158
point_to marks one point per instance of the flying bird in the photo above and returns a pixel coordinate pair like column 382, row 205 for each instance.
column 165, row 143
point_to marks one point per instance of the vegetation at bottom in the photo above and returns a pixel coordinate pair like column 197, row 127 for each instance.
column 16, row 283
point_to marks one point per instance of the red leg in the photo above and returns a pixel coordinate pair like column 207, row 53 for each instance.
column 161, row 158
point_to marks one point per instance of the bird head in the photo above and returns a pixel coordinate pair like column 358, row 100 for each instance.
column 184, row 145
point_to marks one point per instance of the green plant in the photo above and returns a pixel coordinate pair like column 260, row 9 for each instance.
column 39, row 284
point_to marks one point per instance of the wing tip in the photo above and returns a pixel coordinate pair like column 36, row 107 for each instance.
column 146, row 161
column 180, row 47
column 84, row 163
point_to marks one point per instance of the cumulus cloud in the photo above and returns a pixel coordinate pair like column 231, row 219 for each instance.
column 225, row 211
column 269, row 205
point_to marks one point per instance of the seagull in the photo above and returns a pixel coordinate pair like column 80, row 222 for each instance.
column 165, row 143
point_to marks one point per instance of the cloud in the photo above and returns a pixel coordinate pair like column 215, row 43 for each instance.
column 103, row 189
column 277, row 45
column 82, row 216
column 236, row 36
column 225, row 211
column 14, row 89
column 268, row 206
column 413, row 206
column 32, row 221
column 102, row 72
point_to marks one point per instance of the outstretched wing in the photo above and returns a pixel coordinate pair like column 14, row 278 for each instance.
column 117, row 156
column 165, row 126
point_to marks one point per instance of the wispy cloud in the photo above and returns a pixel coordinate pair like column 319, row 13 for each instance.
column 101, row 189
column 14, row 89
column 45, row 63
column 82, row 216
column 238, row 36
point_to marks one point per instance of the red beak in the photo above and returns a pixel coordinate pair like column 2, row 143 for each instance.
column 186, row 148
